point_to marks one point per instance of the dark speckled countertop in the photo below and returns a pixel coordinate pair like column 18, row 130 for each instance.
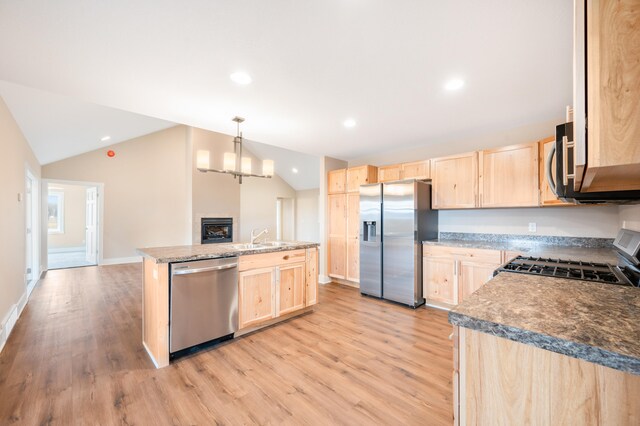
column 212, row 251
column 599, row 323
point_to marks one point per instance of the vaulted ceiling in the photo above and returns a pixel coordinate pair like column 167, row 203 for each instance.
column 314, row 64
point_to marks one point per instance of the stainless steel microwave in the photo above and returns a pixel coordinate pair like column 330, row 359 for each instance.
column 562, row 178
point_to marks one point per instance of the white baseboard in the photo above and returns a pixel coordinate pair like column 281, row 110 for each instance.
column 323, row 279
column 121, row 260
column 66, row 249
column 8, row 322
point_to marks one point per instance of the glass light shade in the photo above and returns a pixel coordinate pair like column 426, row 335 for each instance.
column 202, row 159
column 246, row 165
column 267, row 167
column 229, row 161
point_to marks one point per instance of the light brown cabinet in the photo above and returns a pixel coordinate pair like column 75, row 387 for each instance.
column 547, row 197
column 290, row 288
column 337, row 181
column 612, row 95
column 455, row 181
column 509, row 176
column 451, row 274
column 256, row 296
column 416, row 170
column 275, row 284
column 353, row 243
column 389, row 173
column 360, row 175
column 337, row 237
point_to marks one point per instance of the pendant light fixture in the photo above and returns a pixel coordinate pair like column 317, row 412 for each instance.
column 233, row 162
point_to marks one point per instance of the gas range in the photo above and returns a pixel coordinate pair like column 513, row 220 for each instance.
column 626, row 273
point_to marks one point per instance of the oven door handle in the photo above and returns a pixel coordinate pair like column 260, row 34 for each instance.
column 547, row 167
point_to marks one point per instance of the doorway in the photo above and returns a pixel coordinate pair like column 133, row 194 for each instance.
column 72, row 224
column 32, row 268
column 286, row 219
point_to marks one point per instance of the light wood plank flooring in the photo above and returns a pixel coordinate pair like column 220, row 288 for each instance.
column 75, row 357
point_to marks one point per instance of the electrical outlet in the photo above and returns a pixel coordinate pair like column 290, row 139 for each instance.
column 532, row 227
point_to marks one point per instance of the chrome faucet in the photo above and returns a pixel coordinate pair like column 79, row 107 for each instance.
column 255, row 236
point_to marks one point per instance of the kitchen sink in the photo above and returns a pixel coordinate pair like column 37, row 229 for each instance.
column 248, row 246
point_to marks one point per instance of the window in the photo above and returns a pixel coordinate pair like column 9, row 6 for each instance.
column 55, row 215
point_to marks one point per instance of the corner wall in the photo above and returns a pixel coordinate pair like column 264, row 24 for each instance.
column 16, row 157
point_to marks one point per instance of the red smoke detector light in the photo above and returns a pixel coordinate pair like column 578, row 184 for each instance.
column 111, row 154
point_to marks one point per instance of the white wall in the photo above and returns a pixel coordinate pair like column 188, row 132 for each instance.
column 630, row 217
column 307, row 223
column 579, row 221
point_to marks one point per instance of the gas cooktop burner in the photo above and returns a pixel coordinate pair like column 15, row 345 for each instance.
column 587, row 271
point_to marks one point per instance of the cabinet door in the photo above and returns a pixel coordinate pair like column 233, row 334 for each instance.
column 613, row 96
column 353, row 242
column 439, row 279
column 455, row 181
column 311, row 291
column 361, row 175
column 389, row 173
column 509, row 176
column 256, row 296
column 290, row 288
column 336, row 181
column 337, row 255
column 417, row 170
column 472, row 276
column 547, row 197
column 337, row 238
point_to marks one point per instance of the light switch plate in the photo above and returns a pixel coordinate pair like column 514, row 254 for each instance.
column 532, row 227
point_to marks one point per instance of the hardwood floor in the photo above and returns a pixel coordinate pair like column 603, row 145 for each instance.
column 75, row 357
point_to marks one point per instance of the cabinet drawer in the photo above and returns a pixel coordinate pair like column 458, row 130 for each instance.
column 254, row 261
column 462, row 253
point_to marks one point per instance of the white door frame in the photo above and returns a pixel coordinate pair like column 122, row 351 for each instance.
column 100, row 211
column 35, row 227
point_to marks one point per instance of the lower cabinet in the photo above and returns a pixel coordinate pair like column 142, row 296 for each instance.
column 276, row 284
column 451, row 274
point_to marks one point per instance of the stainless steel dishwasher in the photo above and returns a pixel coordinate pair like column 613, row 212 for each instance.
column 203, row 302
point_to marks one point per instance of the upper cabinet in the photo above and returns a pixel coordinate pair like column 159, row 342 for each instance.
column 547, row 197
column 509, row 176
column 337, row 181
column 389, row 173
column 416, row 170
column 360, row 175
column 612, row 144
column 455, row 181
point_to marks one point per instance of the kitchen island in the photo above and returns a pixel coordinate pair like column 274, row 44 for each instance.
column 276, row 281
column 546, row 350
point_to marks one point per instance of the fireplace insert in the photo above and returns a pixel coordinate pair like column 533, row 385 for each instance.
column 217, row 230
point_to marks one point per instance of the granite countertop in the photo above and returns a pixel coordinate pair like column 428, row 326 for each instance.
column 212, row 251
column 599, row 323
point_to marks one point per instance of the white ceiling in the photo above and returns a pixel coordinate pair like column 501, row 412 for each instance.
column 59, row 127
column 313, row 64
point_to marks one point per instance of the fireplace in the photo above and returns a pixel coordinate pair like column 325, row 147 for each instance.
column 217, row 230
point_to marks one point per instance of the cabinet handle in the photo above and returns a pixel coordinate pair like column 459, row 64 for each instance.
column 286, row 257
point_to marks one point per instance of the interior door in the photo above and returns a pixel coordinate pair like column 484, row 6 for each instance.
column 91, row 235
column 29, row 230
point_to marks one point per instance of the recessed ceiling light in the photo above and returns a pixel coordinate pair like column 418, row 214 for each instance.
column 349, row 123
column 294, row 170
column 454, row 84
column 105, row 138
column 241, row 77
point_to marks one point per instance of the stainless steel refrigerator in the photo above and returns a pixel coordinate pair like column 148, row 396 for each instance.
column 395, row 217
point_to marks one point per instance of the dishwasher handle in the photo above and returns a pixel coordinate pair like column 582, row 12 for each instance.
column 206, row 269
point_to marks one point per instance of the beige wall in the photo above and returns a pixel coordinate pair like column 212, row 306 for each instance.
column 146, row 197
column 75, row 207
column 307, row 224
column 16, row 155
column 213, row 194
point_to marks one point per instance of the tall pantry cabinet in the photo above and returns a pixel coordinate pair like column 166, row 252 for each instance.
column 343, row 207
